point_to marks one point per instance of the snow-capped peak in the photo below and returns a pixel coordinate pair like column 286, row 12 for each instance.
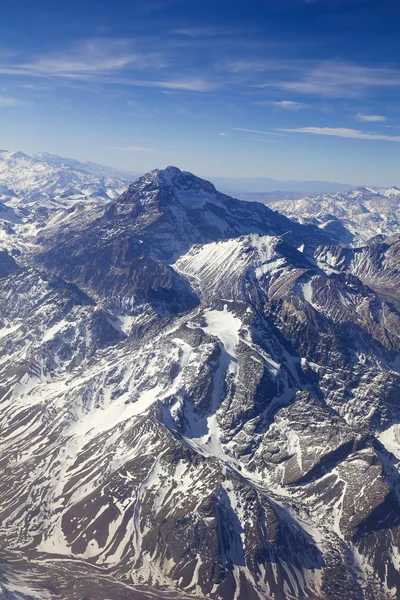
column 54, row 181
column 183, row 180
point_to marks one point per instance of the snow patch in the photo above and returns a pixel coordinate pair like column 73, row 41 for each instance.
column 390, row 438
column 224, row 325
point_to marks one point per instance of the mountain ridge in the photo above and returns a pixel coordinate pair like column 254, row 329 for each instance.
column 199, row 398
column 229, row 185
column 55, row 181
column 357, row 214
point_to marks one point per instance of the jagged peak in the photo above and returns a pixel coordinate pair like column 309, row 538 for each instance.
column 175, row 185
column 7, row 154
column 20, row 154
column 183, row 180
column 172, row 171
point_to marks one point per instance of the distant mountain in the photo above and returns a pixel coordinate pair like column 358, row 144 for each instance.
column 233, row 185
column 355, row 215
column 70, row 163
column 199, row 399
column 54, row 181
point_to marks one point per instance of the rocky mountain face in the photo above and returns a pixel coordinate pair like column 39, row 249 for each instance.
column 353, row 216
column 199, row 399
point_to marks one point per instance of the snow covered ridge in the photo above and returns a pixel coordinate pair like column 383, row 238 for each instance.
column 199, row 399
column 353, row 216
column 55, row 181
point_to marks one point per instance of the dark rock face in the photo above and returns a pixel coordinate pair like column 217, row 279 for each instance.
column 199, row 398
column 8, row 264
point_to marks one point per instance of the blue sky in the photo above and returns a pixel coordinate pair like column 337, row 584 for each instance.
column 289, row 89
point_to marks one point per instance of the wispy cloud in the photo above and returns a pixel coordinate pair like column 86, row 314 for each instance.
column 94, row 56
column 156, row 64
column 344, row 133
column 326, row 78
column 337, row 79
column 223, row 134
column 8, row 102
column 112, row 62
column 190, row 84
column 284, row 104
column 371, row 118
column 259, row 66
column 131, row 148
column 195, row 32
column 255, row 131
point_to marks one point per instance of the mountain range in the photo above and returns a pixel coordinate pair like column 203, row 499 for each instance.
column 239, row 185
column 66, row 178
column 199, row 396
column 54, row 180
column 355, row 216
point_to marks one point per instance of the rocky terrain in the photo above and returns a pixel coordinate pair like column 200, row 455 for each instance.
column 353, row 216
column 199, row 399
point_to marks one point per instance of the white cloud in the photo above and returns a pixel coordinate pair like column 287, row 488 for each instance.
column 131, row 148
column 328, row 78
column 195, row 32
column 289, row 104
column 223, row 134
column 111, row 62
column 8, row 102
column 88, row 58
column 95, row 56
column 255, row 131
column 337, row 79
column 371, row 118
column 263, row 66
column 122, row 62
column 188, row 85
column 345, row 133
column 192, row 85
column 284, row 104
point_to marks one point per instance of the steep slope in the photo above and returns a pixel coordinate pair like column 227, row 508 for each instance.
column 376, row 264
column 167, row 212
column 197, row 399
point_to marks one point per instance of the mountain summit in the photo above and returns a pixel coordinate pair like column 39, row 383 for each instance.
column 172, row 182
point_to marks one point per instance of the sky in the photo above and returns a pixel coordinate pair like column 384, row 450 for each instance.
column 287, row 89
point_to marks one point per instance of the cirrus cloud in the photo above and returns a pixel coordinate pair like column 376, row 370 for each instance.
column 8, row 102
column 371, row 118
column 255, row 131
column 284, row 104
column 344, row 133
column 105, row 61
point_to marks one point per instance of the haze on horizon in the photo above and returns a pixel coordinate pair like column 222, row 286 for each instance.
column 292, row 90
